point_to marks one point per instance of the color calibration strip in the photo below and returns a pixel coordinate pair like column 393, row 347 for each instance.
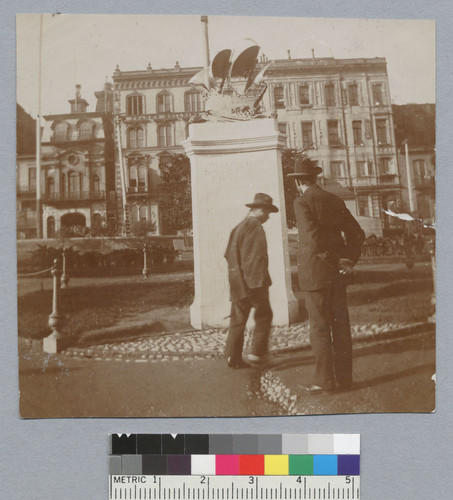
column 235, row 454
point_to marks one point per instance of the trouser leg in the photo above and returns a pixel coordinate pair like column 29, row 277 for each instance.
column 240, row 311
column 341, row 337
column 318, row 307
column 259, row 299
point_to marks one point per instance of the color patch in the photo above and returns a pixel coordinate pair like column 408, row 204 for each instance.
column 220, row 444
column 251, row 465
column 115, row 465
column 348, row 465
column 325, row 465
column 123, row 444
column 131, row 465
column 270, row 444
column 320, row 444
column 295, row 444
column 276, row 465
column 227, row 465
column 301, row 465
column 346, row 444
column 179, row 465
column 172, row 445
column 149, row 444
column 196, row 444
column 203, row 464
column 154, row 465
column 245, row 444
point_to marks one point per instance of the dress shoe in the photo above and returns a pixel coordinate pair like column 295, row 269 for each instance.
column 257, row 361
column 237, row 364
column 317, row 389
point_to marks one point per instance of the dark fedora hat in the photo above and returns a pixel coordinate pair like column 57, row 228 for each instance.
column 262, row 201
column 303, row 168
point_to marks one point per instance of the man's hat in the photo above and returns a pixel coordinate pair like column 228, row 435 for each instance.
column 262, row 201
column 303, row 168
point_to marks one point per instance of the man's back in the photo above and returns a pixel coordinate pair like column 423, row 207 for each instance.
column 327, row 232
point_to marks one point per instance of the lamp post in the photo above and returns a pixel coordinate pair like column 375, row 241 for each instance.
column 56, row 341
column 145, row 271
column 64, row 276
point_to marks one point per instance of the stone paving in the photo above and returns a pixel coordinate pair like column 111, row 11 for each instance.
column 209, row 343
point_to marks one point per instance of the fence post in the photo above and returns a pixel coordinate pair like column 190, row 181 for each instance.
column 145, row 264
column 64, row 276
column 56, row 341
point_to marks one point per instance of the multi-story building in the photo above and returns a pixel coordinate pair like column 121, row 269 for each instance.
column 154, row 108
column 77, row 174
column 25, row 175
column 339, row 111
column 415, row 125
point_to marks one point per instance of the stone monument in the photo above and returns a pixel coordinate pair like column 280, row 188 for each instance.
column 235, row 152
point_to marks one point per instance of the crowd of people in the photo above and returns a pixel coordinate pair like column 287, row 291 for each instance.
column 411, row 244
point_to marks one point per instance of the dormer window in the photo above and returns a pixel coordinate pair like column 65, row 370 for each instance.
column 61, row 131
column 85, row 131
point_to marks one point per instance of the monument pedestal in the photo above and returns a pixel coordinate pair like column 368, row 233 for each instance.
column 230, row 162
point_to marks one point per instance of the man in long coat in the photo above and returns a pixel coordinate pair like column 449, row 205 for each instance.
column 249, row 280
column 330, row 241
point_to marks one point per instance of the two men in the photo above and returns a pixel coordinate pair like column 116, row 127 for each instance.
column 330, row 241
column 249, row 279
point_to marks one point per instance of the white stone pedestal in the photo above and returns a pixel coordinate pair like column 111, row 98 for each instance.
column 230, row 162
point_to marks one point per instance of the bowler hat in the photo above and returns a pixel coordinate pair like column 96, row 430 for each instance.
column 262, row 201
column 303, row 168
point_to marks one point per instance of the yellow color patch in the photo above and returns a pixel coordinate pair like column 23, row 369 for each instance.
column 276, row 465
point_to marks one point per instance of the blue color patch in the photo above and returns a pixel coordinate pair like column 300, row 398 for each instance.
column 325, row 465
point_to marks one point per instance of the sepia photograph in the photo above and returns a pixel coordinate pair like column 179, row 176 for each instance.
column 225, row 216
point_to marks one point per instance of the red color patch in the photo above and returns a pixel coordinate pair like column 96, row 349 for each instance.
column 251, row 465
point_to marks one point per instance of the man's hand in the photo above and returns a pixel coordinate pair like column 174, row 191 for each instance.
column 345, row 266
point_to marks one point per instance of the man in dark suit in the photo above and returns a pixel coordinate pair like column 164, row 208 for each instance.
column 249, row 280
column 330, row 241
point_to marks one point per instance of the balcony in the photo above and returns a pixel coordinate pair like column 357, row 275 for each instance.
column 422, row 183
column 75, row 136
column 376, row 181
column 26, row 190
column 74, row 196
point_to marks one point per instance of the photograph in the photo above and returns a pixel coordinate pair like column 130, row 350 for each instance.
column 225, row 216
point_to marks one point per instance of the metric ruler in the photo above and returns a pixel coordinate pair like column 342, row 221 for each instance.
column 234, row 466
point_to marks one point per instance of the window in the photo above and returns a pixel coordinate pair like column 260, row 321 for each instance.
column 381, row 131
column 357, row 132
column 50, row 186
column 74, row 182
column 332, row 131
column 336, row 169
column 85, row 131
column 133, row 174
column 142, row 171
column 96, row 183
column 422, row 175
column 364, row 168
column 135, row 138
column 279, row 97
column 63, row 183
column 304, row 97
column 377, row 94
column 307, row 135
column 353, row 94
column 61, row 132
column 165, row 136
column 50, row 227
column 134, row 105
column 164, row 104
column 329, row 94
column 193, row 102
column 363, row 205
column 283, row 129
column 32, row 178
column 385, row 166
column 143, row 212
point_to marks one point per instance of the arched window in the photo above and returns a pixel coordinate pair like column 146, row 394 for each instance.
column 63, row 185
column 85, row 131
column 61, row 131
column 50, row 186
column 165, row 136
column 164, row 103
column 134, row 214
column 135, row 137
column 134, row 105
column 74, row 183
column 193, row 102
column 96, row 183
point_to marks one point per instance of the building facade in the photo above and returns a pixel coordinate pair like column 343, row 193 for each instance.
column 153, row 111
column 77, row 167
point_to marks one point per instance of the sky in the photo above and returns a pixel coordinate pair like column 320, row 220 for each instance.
column 85, row 49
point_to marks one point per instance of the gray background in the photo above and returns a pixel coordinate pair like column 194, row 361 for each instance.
column 404, row 456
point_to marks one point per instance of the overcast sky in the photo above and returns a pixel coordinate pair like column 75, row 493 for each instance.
column 85, row 49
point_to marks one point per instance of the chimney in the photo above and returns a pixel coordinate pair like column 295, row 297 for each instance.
column 289, row 54
column 313, row 53
column 78, row 105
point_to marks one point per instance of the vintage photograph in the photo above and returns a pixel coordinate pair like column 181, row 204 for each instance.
column 225, row 216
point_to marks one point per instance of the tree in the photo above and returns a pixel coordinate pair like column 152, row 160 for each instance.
column 289, row 156
column 175, row 197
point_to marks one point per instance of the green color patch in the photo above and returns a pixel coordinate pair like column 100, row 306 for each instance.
column 301, row 465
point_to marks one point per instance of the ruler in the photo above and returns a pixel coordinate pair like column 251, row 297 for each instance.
column 145, row 487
